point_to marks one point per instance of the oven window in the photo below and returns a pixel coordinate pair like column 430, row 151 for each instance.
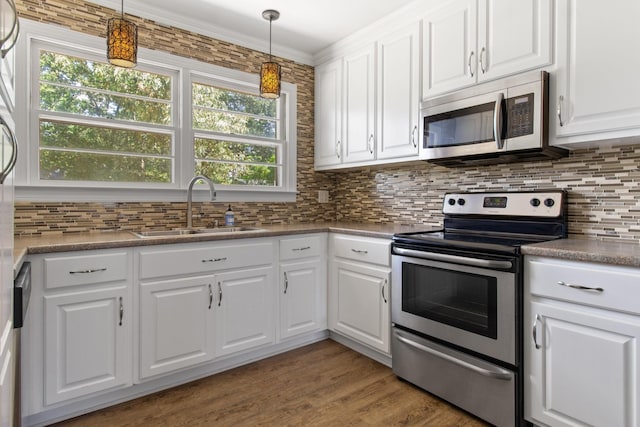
column 459, row 299
column 472, row 125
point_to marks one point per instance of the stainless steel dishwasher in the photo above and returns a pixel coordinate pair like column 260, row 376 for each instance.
column 21, row 295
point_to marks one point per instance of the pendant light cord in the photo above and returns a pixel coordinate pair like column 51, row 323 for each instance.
column 122, row 9
column 270, row 21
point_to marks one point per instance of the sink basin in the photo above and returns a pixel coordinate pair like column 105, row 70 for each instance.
column 190, row 231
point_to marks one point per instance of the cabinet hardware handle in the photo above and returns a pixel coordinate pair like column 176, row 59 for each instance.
column 286, row 282
column 497, row 121
column 369, row 146
column 359, row 251
column 304, row 248
column 338, row 148
column 210, row 296
column 560, row 101
column 219, row 294
column 383, row 286
column 535, row 331
column 215, row 259
column 91, row 270
column 584, row 288
column 482, row 56
column 14, row 30
column 469, row 64
column 413, row 136
column 121, row 312
column 14, row 152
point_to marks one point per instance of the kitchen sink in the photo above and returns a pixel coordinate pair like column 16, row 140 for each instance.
column 191, row 231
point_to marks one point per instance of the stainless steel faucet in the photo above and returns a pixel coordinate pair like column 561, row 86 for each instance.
column 212, row 192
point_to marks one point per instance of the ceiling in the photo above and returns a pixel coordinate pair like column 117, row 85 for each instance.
column 305, row 27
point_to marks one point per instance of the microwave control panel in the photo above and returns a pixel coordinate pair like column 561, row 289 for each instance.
column 520, row 114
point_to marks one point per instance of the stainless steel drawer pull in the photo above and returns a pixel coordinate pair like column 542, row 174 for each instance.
column 121, row 311
column 358, row 251
column 210, row 296
column 413, row 136
column 469, row 64
column 498, row 373
column 583, row 288
column 535, row 331
column 215, row 259
column 219, row 294
column 384, row 286
column 286, row 282
column 91, row 270
column 304, row 248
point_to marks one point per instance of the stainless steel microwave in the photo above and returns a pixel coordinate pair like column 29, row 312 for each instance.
column 496, row 122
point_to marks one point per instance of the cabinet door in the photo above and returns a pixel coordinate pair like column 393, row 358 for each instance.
column 513, row 36
column 449, row 48
column 359, row 106
column 303, row 298
column 586, row 370
column 176, row 324
column 398, row 97
column 245, row 310
column 87, row 342
column 359, row 303
column 596, row 85
column 328, row 113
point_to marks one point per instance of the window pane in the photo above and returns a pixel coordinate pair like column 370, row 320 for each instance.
column 70, row 165
column 94, row 89
column 233, row 123
column 85, row 137
column 78, row 72
column 228, row 100
column 213, row 149
column 238, row 174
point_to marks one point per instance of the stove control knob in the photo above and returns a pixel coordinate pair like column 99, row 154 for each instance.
column 452, row 202
column 461, row 202
column 549, row 202
column 535, row 202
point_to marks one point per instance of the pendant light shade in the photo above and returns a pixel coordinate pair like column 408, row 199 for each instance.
column 122, row 41
column 270, row 72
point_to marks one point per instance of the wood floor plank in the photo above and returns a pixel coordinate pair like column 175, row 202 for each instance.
column 323, row 384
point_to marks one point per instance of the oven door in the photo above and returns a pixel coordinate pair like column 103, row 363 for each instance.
column 465, row 301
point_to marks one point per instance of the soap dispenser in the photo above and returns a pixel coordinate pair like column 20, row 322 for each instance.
column 229, row 219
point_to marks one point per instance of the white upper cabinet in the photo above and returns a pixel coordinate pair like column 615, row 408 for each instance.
column 449, row 48
column 359, row 106
column 328, row 113
column 398, row 93
column 513, row 36
column 471, row 41
column 595, row 94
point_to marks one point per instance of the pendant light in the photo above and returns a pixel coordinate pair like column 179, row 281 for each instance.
column 270, row 71
column 122, row 41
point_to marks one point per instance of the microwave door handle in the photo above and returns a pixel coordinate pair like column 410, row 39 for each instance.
column 497, row 121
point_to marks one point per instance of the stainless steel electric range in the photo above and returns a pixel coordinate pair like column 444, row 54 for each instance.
column 456, row 299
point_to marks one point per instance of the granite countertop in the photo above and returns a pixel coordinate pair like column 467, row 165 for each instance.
column 123, row 239
column 606, row 252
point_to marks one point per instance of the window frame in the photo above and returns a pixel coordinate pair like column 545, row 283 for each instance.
column 184, row 71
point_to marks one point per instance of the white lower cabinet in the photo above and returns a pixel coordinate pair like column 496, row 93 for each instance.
column 359, row 287
column 87, row 342
column 581, row 353
column 245, row 310
column 176, row 324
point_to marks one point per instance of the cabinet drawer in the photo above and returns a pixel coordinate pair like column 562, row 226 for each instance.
column 374, row 251
column 620, row 286
column 85, row 270
column 302, row 247
column 169, row 262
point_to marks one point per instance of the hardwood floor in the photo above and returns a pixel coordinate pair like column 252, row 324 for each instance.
column 323, row 384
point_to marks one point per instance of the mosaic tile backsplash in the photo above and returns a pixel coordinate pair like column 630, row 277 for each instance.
column 603, row 184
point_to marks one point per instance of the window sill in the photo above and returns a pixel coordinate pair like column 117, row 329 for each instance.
column 83, row 194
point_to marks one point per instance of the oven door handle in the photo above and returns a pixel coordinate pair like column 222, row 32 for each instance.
column 498, row 373
column 475, row 262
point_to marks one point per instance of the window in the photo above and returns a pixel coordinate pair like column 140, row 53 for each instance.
column 110, row 133
column 238, row 137
column 102, row 123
